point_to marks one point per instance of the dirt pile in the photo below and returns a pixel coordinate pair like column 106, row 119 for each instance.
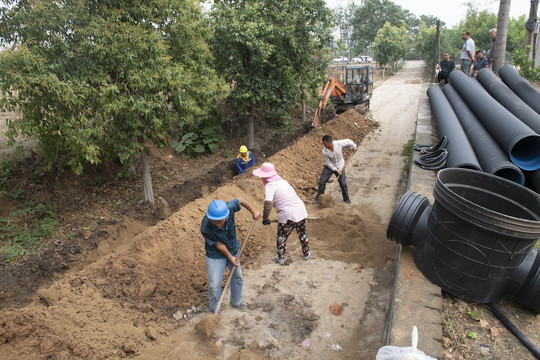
column 118, row 304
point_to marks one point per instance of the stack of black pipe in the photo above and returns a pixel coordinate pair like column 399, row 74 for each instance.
column 498, row 123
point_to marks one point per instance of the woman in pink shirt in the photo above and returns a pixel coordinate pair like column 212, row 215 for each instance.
column 290, row 209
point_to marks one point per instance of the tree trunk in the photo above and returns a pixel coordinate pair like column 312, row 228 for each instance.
column 502, row 34
column 147, row 178
column 435, row 52
column 303, row 111
column 532, row 27
column 251, row 132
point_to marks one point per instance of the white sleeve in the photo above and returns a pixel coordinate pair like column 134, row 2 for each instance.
column 269, row 192
column 347, row 142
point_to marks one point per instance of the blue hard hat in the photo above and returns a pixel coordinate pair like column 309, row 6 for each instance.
column 217, row 210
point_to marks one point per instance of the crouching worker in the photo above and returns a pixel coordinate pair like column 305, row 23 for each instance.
column 290, row 209
column 219, row 231
column 244, row 160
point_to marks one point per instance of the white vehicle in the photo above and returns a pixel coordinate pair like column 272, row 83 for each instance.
column 361, row 59
column 340, row 59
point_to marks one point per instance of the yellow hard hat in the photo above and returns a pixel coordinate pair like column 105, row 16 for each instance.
column 243, row 149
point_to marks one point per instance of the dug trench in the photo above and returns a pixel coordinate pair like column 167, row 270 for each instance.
column 140, row 297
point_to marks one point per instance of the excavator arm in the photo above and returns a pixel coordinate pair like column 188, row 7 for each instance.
column 333, row 87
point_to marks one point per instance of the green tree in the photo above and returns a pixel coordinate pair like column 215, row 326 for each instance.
column 344, row 20
column 391, row 45
column 516, row 33
column 424, row 42
column 95, row 79
column 271, row 53
column 431, row 21
column 371, row 16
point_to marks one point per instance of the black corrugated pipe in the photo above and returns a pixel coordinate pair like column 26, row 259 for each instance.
column 460, row 151
column 491, row 157
column 520, row 142
column 520, row 86
column 477, row 239
column 533, row 180
column 507, row 98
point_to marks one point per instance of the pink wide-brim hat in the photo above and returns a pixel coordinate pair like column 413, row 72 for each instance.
column 266, row 170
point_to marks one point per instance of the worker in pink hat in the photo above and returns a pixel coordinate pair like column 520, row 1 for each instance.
column 290, row 209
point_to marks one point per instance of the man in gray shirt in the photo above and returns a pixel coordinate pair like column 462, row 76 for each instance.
column 467, row 52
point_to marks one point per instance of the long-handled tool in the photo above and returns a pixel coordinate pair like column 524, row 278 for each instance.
column 234, row 268
column 208, row 323
column 308, row 218
column 343, row 168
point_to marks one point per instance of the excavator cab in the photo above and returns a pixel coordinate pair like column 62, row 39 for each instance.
column 358, row 83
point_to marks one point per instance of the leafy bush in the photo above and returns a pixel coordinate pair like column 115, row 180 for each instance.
column 526, row 66
column 7, row 173
column 198, row 138
column 24, row 229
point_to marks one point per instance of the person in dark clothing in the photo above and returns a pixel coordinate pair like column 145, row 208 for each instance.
column 445, row 66
column 218, row 229
column 480, row 63
column 489, row 56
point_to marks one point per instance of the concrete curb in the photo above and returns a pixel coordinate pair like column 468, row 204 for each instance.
column 417, row 302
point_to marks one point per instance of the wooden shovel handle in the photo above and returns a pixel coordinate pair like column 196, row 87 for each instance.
column 234, row 268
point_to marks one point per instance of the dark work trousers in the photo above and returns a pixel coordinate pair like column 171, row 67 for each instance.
column 326, row 173
column 443, row 76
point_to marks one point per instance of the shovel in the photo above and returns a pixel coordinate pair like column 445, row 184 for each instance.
column 208, row 323
column 234, row 268
column 344, row 166
column 308, row 218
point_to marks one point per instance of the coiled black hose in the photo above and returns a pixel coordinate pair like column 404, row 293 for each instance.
column 433, row 157
column 532, row 348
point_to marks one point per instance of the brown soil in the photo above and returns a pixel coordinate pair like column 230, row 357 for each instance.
column 136, row 284
column 118, row 291
column 472, row 331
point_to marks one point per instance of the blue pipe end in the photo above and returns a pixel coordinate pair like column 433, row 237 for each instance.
column 526, row 153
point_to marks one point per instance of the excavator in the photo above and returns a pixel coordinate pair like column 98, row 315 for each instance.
column 355, row 91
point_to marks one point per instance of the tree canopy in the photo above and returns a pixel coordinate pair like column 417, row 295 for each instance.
column 391, row 44
column 94, row 79
column 270, row 52
column 372, row 16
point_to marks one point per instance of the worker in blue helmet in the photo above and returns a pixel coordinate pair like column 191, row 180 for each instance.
column 244, row 160
column 219, row 232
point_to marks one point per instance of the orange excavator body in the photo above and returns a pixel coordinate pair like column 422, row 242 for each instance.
column 357, row 89
column 333, row 87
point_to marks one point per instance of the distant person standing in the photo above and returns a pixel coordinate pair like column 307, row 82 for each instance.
column 244, row 160
column 445, row 66
column 480, row 63
column 489, row 56
column 334, row 164
column 467, row 52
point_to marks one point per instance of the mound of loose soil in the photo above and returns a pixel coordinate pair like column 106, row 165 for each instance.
column 123, row 297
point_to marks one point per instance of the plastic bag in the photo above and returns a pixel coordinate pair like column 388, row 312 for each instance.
column 406, row 353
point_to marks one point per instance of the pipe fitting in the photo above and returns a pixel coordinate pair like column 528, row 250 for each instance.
column 476, row 241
